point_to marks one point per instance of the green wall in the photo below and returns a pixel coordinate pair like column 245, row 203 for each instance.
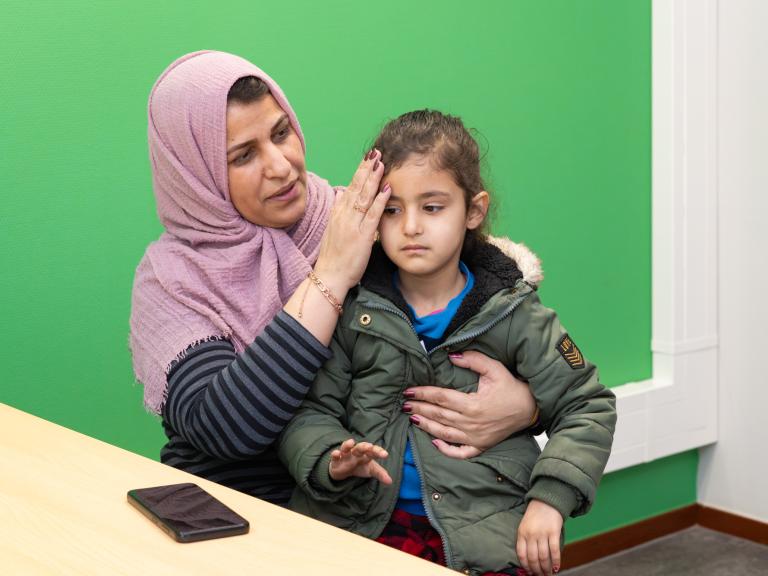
column 559, row 91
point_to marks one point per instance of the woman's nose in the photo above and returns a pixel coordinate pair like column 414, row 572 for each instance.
column 276, row 165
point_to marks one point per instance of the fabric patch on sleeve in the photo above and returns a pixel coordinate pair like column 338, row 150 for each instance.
column 570, row 352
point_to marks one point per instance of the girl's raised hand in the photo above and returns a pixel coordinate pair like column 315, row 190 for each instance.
column 349, row 237
column 359, row 460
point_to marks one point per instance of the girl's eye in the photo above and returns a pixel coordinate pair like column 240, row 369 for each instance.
column 391, row 210
column 432, row 208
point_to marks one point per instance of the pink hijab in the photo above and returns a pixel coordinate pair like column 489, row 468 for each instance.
column 211, row 274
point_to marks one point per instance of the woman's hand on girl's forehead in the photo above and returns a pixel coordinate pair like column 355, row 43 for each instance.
column 348, row 240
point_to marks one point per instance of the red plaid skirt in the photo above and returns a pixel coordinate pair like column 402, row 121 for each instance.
column 415, row 535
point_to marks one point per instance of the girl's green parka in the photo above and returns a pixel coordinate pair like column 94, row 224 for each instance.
column 476, row 505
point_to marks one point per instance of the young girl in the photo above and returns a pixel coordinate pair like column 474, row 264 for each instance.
column 434, row 288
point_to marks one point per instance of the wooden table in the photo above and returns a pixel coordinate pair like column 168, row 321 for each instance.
column 63, row 510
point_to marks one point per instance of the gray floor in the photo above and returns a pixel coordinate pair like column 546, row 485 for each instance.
column 695, row 550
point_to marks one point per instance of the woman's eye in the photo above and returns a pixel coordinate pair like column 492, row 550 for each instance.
column 243, row 157
column 282, row 134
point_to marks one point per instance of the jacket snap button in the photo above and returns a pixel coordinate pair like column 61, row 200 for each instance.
column 365, row 319
column 499, row 479
column 436, row 496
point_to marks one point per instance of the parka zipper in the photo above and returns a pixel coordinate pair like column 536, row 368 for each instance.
column 428, row 505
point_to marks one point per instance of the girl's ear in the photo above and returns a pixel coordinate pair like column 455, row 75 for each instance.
column 478, row 208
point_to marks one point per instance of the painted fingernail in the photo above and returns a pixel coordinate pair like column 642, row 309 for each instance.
column 434, row 443
column 455, row 355
column 555, row 569
column 415, row 420
column 376, row 164
column 407, row 407
column 387, row 188
column 409, row 394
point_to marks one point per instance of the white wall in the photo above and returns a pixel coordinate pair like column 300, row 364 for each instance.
column 733, row 474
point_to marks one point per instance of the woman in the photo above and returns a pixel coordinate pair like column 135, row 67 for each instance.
column 235, row 304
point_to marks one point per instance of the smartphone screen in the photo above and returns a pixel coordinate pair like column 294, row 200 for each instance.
column 187, row 513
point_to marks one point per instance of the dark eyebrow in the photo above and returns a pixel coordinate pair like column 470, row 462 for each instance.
column 424, row 195
column 280, row 121
column 431, row 193
column 238, row 146
column 278, row 124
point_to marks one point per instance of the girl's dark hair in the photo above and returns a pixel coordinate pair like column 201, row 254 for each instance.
column 446, row 143
column 247, row 89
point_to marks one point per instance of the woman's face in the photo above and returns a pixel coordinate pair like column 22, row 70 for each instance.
column 265, row 164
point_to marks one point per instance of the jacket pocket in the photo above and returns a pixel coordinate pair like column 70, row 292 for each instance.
column 510, row 475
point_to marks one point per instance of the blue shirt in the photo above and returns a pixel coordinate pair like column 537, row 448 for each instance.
column 430, row 329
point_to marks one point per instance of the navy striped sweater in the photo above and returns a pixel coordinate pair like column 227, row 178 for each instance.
column 224, row 411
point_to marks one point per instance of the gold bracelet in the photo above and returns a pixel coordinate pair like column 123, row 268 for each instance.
column 303, row 297
column 535, row 419
column 327, row 293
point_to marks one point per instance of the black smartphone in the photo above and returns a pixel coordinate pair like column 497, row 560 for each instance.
column 187, row 513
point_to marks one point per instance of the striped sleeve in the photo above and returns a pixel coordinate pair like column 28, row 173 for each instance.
column 234, row 406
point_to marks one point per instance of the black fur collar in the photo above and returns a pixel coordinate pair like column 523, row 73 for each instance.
column 493, row 271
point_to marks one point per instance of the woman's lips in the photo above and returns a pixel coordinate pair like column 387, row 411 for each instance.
column 287, row 194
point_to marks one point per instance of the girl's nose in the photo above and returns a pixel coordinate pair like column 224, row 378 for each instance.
column 411, row 223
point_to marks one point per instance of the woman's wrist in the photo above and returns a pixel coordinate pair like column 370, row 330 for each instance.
column 335, row 279
column 325, row 291
column 314, row 309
